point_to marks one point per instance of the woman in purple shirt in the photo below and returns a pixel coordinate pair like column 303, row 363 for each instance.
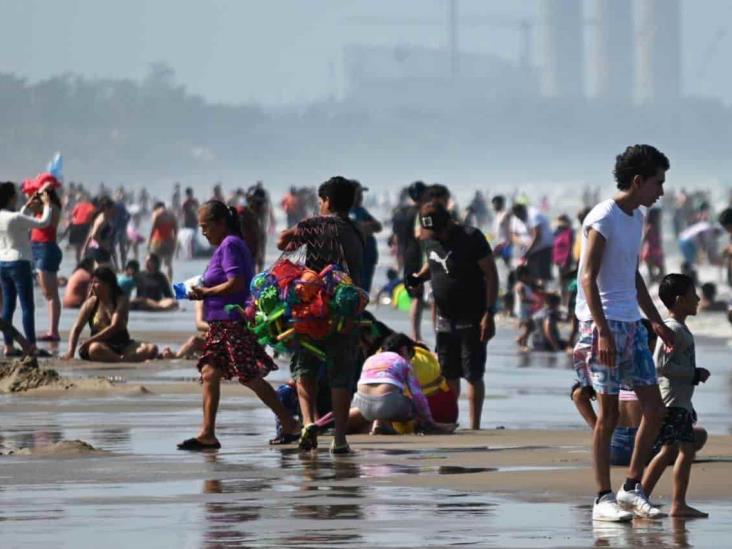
column 230, row 349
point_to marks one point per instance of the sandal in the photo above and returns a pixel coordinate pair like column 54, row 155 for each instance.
column 308, row 437
column 195, row 445
column 284, row 438
column 341, row 449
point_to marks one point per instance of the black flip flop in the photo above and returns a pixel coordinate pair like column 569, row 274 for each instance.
column 284, row 438
column 195, row 445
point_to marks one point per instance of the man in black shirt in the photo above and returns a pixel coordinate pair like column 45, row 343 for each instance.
column 464, row 279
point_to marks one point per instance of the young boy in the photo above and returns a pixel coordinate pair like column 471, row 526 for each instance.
column 546, row 336
column 678, row 375
column 523, row 305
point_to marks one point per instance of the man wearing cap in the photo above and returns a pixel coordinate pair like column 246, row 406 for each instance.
column 464, row 279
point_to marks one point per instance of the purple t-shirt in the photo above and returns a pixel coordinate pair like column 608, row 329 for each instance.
column 231, row 258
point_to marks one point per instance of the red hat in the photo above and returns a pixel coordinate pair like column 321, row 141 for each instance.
column 31, row 186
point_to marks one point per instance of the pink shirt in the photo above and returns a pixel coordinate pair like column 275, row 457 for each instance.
column 393, row 369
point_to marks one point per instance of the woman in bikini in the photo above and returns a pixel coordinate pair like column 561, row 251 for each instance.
column 106, row 310
column 99, row 242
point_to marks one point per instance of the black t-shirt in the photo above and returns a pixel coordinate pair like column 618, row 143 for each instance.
column 403, row 226
column 153, row 286
column 458, row 283
column 331, row 239
column 190, row 213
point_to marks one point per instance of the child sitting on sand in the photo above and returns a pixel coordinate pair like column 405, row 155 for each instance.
column 677, row 377
column 546, row 336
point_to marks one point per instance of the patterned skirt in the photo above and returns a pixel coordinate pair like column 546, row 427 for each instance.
column 235, row 352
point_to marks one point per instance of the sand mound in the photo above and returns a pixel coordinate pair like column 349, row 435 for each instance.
column 23, row 375
column 61, row 448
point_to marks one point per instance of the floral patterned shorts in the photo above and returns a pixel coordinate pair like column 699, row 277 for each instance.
column 633, row 363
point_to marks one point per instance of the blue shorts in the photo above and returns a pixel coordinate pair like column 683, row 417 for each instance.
column 46, row 256
column 633, row 360
column 622, row 444
column 688, row 250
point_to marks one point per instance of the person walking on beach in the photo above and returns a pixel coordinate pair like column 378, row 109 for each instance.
column 462, row 270
column 538, row 252
column 678, row 377
column 613, row 343
column 404, row 227
column 230, row 351
column 16, row 274
column 163, row 236
column 330, row 238
column 99, row 242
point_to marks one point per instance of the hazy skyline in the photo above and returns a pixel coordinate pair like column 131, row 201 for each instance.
column 286, row 52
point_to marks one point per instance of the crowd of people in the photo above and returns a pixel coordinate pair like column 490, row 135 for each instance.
column 569, row 289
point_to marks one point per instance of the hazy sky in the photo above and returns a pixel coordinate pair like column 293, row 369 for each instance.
column 288, row 51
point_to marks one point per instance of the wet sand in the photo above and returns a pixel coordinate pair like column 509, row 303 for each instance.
column 524, row 481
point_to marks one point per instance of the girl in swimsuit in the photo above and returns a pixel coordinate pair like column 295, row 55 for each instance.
column 106, row 311
column 100, row 240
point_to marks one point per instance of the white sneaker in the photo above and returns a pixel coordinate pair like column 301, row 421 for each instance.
column 637, row 502
column 607, row 509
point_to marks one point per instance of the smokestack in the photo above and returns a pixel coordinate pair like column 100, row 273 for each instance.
column 563, row 66
column 615, row 54
column 658, row 74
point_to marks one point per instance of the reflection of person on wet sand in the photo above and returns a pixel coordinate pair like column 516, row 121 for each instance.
column 193, row 347
column 106, row 311
column 386, row 380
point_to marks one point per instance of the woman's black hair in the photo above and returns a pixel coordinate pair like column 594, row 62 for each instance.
column 106, row 275
column 55, row 200
column 7, row 192
column 217, row 211
column 87, row 264
column 395, row 342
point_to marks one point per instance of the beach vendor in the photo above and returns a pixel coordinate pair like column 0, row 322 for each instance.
column 230, row 350
column 331, row 238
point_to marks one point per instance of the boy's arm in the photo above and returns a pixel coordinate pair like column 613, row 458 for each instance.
column 647, row 306
column 588, row 279
column 672, row 364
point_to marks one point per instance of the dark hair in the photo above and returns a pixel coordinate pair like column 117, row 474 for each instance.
column 553, row 299
column 135, row 265
column 189, row 191
column 106, row 275
column 673, row 286
column 653, row 216
column 395, row 342
column 522, row 270
column 53, row 197
column 392, row 273
column 104, row 203
column 340, row 193
column 87, row 264
column 416, row 190
column 155, row 258
column 643, row 160
column 581, row 214
column 158, row 204
column 7, row 192
column 218, row 211
column 499, row 199
column 519, row 210
column 709, row 290
column 725, row 218
column 438, row 190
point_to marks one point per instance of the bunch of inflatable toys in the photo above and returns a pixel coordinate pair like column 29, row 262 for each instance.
column 291, row 307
